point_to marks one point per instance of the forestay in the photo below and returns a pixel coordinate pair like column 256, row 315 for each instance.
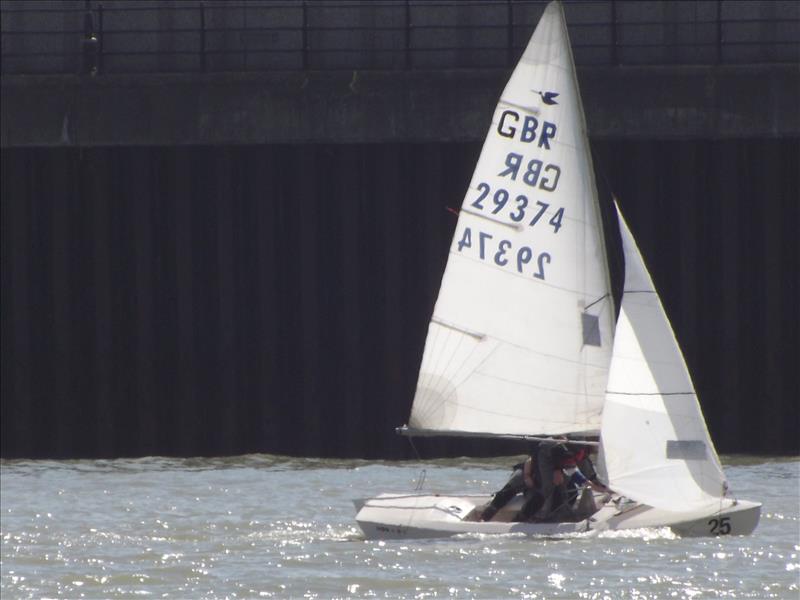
column 657, row 448
column 520, row 338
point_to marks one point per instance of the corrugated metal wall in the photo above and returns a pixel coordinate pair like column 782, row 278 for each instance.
column 223, row 300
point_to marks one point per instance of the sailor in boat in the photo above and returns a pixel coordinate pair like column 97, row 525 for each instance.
column 550, row 478
column 572, row 473
column 524, row 480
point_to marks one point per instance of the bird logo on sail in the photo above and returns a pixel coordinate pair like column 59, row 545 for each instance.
column 548, row 98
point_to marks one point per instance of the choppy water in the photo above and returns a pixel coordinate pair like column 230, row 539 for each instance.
column 273, row 527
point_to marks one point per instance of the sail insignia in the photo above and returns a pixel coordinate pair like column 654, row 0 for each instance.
column 548, row 98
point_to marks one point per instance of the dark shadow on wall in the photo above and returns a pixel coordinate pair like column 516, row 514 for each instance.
column 227, row 300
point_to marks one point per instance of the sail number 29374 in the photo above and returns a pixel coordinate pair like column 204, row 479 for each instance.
column 503, row 253
column 518, row 208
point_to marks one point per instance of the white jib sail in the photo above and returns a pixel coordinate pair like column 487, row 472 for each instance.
column 654, row 438
column 520, row 338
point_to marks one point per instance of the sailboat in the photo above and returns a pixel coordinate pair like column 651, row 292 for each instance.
column 524, row 341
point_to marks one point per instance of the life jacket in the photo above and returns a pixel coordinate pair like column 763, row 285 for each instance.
column 567, row 459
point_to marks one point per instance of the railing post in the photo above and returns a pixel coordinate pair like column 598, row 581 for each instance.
column 203, row 37
column 89, row 44
column 305, row 35
column 510, row 34
column 100, row 36
column 719, row 31
column 614, row 56
column 407, row 57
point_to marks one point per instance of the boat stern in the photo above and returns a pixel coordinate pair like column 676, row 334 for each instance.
column 729, row 517
column 741, row 517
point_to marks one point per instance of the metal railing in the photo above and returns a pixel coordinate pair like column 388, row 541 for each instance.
column 197, row 36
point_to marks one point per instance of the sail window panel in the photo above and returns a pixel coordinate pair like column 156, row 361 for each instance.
column 591, row 329
column 686, row 449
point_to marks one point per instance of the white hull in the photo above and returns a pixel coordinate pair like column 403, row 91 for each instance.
column 408, row 516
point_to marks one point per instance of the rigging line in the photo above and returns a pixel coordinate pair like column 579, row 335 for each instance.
column 413, row 447
column 434, row 377
column 437, row 379
column 454, row 386
column 437, row 382
column 423, row 474
column 421, row 481
column 426, row 375
column 453, row 353
column 585, row 308
column 465, row 362
column 433, row 380
column 650, row 362
column 478, row 366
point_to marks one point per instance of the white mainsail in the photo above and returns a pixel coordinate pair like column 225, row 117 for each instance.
column 656, row 445
column 521, row 335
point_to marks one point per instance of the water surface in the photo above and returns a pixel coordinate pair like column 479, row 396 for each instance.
column 272, row 527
